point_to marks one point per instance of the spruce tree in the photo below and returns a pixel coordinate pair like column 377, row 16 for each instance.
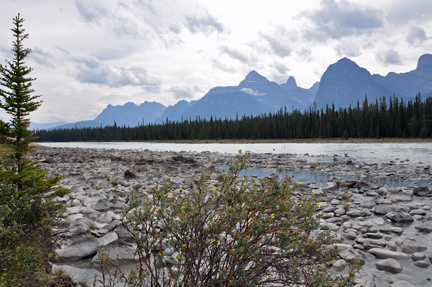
column 18, row 100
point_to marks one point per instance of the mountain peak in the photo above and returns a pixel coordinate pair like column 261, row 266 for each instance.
column 291, row 82
column 253, row 78
column 425, row 62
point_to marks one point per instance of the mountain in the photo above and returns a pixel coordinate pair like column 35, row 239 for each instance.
column 411, row 83
column 254, row 95
column 344, row 82
column 36, row 126
column 128, row 114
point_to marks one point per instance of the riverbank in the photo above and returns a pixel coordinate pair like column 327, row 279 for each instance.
column 372, row 222
column 258, row 141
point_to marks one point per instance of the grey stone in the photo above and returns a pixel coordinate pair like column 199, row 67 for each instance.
column 121, row 251
column 418, row 256
column 399, row 216
column 384, row 254
column 410, row 245
column 370, row 243
column 340, row 265
column 78, row 228
column 107, row 238
column 389, row 265
column 399, row 197
column 391, row 229
column 367, row 204
column 383, row 209
column 358, row 212
column 422, row 191
column 121, row 231
column 421, row 264
column 79, row 249
column 102, row 205
column 402, row 284
column 424, row 227
column 417, row 212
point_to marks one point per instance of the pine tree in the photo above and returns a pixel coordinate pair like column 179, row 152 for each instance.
column 18, row 101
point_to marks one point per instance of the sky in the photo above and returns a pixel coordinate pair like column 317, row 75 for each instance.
column 87, row 54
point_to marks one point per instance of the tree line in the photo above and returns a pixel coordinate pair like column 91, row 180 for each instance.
column 391, row 118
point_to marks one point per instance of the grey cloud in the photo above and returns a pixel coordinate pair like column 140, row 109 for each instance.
column 234, row 54
column 92, row 11
column 281, row 68
column 222, row 66
column 401, row 12
column 41, row 57
column 92, row 71
column 389, row 57
column 205, row 24
column 348, row 49
column 344, row 18
column 181, row 93
column 305, row 54
column 416, row 35
column 280, row 41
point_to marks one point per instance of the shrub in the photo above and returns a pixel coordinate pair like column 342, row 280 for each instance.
column 237, row 234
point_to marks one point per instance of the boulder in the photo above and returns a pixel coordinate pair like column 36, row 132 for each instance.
column 424, row 227
column 383, row 209
column 389, row 265
column 358, row 212
column 421, row 264
column 422, row 191
column 129, row 175
column 102, row 205
column 80, row 249
column 410, row 245
column 121, row 251
column 399, row 217
column 382, row 253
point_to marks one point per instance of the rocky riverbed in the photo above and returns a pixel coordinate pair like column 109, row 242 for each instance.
column 388, row 228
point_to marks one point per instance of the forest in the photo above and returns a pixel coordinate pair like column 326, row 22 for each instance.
column 391, row 118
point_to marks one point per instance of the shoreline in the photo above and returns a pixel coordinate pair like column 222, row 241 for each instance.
column 246, row 141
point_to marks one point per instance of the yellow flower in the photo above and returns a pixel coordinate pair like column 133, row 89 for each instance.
column 318, row 206
column 231, row 251
column 304, row 192
column 272, row 216
column 157, row 210
column 323, row 212
column 129, row 218
column 182, row 207
column 181, row 189
column 298, row 202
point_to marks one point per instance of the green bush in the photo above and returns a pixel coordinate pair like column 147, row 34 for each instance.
column 238, row 234
column 25, row 237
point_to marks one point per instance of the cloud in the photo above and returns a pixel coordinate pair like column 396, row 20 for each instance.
column 416, row 35
column 401, row 12
column 389, row 57
column 234, row 54
column 91, row 11
column 251, row 92
column 281, row 68
column 92, row 71
column 280, row 40
column 184, row 92
column 305, row 54
column 206, row 24
column 222, row 66
column 348, row 49
column 341, row 19
column 41, row 57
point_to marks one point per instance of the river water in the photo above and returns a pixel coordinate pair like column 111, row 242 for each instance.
column 416, row 153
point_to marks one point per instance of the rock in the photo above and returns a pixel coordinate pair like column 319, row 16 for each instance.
column 121, row 231
column 102, row 205
column 399, row 197
column 367, row 204
column 418, row 256
column 120, row 251
column 402, row 284
column 370, row 243
column 422, row 191
column 49, row 160
column 350, row 255
column 78, row 228
column 129, row 175
column 80, row 249
column 340, row 265
column 358, row 212
column 424, row 227
column 421, row 264
column 382, row 253
column 107, row 238
column 183, row 159
column 389, row 265
column 399, row 217
column 391, row 229
column 410, row 245
column 383, row 209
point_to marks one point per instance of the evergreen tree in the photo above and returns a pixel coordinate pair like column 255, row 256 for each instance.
column 18, row 101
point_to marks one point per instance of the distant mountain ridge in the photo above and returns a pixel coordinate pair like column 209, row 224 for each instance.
column 342, row 84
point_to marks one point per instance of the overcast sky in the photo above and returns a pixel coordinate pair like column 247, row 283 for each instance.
column 90, row 53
